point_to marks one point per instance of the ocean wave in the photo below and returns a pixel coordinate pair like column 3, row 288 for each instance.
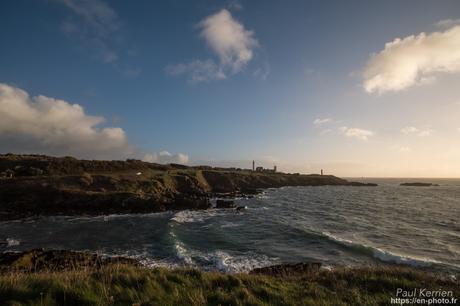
column 183, row 254
column 217, row 260
column 230, row 224
column 224, row 262
column 112, row 216
column 186, row 216
column 382, row 255
column 207, row 261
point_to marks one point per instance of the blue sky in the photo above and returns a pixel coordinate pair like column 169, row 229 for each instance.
column 164, row 79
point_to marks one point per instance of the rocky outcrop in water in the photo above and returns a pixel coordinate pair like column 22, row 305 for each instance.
column 225, row 204
column 417, row 184
column 359, row 184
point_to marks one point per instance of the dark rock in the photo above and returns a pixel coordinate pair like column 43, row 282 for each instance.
column 359, row 184
column 8, row 173
column 417, row 184
column 288, row 269
column 241, row 208
column 225, row 204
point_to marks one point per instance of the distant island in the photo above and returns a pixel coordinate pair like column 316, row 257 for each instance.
column 33, row 185
column 418, row 184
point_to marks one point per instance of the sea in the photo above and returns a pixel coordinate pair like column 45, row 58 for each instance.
column 338, row 226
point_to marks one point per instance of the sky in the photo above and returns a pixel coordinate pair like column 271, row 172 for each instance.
column 357, row 88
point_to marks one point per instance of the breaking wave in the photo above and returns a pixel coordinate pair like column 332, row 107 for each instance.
column 382, row 255
column 199, row 216
column 219, row 260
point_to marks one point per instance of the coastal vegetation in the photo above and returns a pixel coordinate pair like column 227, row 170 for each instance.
column 124, row 284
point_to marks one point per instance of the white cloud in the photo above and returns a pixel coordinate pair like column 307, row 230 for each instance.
column 321, row 121
column 198, row 71
column 262, row 72
column 422, row 132
column 229, row 40
column 409, row 129
column 356, row 133
column 413, row 60
column 164, row 157
column 54, row 126
column 447, row 23
column 51, row 126
column 235, row 5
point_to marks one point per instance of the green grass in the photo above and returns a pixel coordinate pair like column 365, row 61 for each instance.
column 128, row 285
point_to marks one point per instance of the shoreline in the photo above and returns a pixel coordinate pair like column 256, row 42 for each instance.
column 57, row 259
column 52, row 260
column 33, row 185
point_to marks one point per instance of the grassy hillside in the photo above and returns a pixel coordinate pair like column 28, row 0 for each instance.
column 129, row 285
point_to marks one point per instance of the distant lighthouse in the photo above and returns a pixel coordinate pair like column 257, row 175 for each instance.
column 321, row 171
column 253, row 165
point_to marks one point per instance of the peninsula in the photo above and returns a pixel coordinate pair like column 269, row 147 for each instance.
column 33, row 185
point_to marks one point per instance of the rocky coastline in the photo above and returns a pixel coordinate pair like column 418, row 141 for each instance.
column 32, row 185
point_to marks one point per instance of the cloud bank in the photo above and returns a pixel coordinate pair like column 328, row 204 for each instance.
column 413, row 60
column 51, row 126
column 356, row 133
column 230, row 42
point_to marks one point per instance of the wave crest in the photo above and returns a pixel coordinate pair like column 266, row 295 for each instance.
column 382, row 255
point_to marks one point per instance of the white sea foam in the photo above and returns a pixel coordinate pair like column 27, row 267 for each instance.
column 186, row 216
column 197, row 216
column 12, row 242
column 224, row 262
column 112, row 217
column 208, row 261
column 403, row 259
column 183, row 254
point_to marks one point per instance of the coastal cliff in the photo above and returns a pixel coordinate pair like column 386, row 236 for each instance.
column 43, row 185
